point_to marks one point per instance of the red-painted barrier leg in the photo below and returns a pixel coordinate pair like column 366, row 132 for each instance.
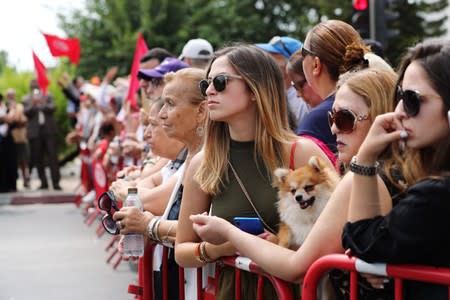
column 114, row 252
column 92, row 217
column 111, row 242
column 117, row 262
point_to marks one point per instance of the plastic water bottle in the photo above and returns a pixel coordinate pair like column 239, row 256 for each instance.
column 133, row 244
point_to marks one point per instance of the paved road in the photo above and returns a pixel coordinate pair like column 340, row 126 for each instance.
column 47, row 252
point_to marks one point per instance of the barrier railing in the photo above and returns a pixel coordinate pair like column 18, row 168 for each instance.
column 241, row 263
column 144, row 289
column 354, row 265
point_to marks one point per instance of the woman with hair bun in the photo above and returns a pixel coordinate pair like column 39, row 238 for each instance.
column 331, row 48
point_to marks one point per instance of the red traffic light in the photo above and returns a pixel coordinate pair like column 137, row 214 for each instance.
column 360, row 4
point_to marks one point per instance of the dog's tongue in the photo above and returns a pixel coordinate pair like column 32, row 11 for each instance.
column 306, row 203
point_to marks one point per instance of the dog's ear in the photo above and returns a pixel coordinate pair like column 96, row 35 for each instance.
column 280, row 175
column 316, row 163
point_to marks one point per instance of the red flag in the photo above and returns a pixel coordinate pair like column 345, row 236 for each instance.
column 69, row 47
column 360, row 4
column 141, row 49
column 40, row 74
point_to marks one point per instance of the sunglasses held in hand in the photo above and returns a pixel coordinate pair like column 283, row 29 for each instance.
column 108, row 203
column 219, row 82
column 345, row 120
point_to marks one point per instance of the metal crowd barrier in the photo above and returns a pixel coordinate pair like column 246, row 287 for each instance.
column 144, row 289
column 354, row 265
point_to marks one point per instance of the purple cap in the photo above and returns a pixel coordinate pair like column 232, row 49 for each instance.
column 169, row 64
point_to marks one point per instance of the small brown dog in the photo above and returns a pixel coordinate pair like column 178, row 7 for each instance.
column 302, row 194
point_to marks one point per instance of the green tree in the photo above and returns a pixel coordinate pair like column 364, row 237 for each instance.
column 3, row 60
column 108, row 28
column 413, row 26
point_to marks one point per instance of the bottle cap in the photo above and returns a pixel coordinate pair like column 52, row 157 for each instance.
column 132, row 190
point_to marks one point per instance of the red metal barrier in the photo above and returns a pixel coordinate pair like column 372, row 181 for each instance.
column 144, row 289
column 355, row 265
column 282, row 288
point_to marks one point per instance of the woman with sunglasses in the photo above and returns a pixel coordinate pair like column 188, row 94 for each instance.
column 415, row 231
column 360, row 97
column 294, row 69
column 323, row 51
column 247, row 137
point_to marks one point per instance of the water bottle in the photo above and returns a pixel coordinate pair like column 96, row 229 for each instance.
column 133, row 244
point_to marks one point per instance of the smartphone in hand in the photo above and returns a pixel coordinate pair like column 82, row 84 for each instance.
column 249, row 224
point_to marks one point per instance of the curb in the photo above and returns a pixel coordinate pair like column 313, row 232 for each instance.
column 37, row 198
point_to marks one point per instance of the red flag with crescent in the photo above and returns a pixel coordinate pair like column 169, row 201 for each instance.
column 69, row 47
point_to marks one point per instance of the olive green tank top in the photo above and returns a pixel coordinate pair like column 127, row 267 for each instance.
column 231, row 201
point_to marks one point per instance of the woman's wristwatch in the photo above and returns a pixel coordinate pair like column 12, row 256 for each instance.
column 363, row 170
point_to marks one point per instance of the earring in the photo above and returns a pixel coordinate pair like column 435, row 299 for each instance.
column 199, row 131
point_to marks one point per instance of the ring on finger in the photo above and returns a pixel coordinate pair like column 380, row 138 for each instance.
column 119, row 225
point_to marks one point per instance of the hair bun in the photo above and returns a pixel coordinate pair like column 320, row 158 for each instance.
column 354, row 57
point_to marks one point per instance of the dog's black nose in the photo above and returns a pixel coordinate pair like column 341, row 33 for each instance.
column 299, row 198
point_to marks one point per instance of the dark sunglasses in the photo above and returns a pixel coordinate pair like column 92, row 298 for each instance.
column 219, row 82
column 306, row 52
column 108, row 203
column 299, row 85
column 345, row 120
column 411, row 101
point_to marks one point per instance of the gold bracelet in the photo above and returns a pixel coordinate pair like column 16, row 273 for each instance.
column 166, row 238
column 203, row 255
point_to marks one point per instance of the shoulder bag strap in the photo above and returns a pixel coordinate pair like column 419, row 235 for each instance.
column 249, row 199
column 292, row 157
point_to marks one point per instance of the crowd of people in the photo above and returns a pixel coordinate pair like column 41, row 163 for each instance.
column 28, row 138
column 210, row 127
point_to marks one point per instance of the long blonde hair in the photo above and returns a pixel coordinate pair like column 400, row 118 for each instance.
column 265, row 82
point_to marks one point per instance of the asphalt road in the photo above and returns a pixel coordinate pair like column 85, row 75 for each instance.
column 47, row 252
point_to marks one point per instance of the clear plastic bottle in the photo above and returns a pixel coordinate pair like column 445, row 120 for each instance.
column 133, row 244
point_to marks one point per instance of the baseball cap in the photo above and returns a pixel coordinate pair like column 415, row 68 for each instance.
column 197, row 48
column 169, row 64
column 283, row 45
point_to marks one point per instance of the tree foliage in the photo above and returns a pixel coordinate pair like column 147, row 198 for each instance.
column 413, row 26
column 108, row 28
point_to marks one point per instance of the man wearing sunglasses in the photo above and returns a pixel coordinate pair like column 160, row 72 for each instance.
column 281, row 49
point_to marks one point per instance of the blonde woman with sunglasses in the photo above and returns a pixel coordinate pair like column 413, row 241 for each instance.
column 247, row 132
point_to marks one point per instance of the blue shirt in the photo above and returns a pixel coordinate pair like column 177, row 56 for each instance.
column 315, row 124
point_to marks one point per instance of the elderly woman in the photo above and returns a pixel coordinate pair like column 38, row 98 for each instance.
column 182, row 117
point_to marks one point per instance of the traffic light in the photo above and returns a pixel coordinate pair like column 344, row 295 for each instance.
column 384, row 18
column 361, row 17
